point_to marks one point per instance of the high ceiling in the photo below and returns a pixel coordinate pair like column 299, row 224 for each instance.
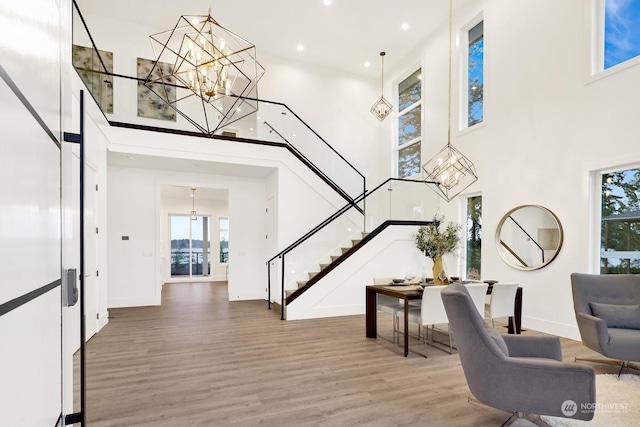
column 342, row 35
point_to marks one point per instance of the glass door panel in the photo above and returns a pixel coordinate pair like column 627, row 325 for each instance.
column 190, row 246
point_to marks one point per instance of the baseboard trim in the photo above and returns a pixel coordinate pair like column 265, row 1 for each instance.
column 553, row 328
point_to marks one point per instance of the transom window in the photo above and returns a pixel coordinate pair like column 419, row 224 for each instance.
column 409, row 125
column 475, row 75
column 621, row 35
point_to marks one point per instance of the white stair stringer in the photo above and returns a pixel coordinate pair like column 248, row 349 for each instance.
column 342, row 291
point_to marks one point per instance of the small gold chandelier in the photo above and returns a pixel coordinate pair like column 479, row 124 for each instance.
column 382, row 107
column 210, row 65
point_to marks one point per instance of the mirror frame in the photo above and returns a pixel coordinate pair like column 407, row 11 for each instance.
column 501, row 250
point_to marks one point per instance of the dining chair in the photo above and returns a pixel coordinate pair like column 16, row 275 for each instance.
column 501, row 301
column 388, row 304
column 478, row 292
column 430, row 313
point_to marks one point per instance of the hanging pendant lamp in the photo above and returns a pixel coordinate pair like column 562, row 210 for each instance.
column 451, row 170
column 193, row 215
column 382, row 107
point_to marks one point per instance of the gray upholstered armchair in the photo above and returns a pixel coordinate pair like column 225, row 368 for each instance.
column 607, row 310
column 515, row 373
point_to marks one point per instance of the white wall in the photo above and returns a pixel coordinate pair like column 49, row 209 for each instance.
column 547, row 125
column 335, row 104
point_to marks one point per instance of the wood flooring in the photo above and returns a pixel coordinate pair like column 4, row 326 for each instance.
column 200, row 360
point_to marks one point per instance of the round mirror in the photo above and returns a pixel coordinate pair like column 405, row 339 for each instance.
column 529, row 237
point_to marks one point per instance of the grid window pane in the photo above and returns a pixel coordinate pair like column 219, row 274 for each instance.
column 474, row 237
column 409, row 125
column 409, row 160
column 224, row 240
column 620, row 227
column 410, row 90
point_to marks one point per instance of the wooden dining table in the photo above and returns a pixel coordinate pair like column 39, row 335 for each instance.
column 407, row 293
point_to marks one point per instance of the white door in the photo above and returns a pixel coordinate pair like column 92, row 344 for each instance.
column 91, row 272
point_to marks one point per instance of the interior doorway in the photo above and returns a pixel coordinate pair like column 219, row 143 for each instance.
column 195, row 233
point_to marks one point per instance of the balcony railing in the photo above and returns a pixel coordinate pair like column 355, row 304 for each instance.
column 274, row 123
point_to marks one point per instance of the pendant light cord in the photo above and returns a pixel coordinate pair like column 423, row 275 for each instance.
column 382, row 54
column 449, row 88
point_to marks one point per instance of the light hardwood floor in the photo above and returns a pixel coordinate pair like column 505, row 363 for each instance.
column 200, row 360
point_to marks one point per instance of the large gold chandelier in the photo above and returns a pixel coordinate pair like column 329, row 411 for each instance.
column 199, row 60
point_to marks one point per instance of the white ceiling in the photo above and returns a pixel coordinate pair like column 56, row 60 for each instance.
column 189, row 166
column 201, row 193
column 342, row 35
column 185, row 165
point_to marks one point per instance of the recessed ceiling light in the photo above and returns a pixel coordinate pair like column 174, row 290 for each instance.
column 250, row 128
column 238, row 109
column 405, row 26
column 367, row 64
column 327, row 2
column 300, row 48
column 131, row 158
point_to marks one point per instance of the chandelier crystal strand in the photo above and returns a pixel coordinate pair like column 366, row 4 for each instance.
column 450, row 170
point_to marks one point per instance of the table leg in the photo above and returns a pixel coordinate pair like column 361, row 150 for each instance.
column 372, row 313
column 406, row 327
column 515, row 322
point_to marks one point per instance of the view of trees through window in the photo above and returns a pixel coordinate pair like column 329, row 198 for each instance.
column 224, row 239
column 475, row 81
column 474, row 237
column 190, row 247
column 409, row 124
column 620, row 228
column 621, row 35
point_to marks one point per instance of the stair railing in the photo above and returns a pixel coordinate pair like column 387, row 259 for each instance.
column 394, row 199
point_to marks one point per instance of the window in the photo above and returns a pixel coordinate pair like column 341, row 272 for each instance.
column 475, row 75
column 190, row 251
column 474, row 237
column 621, row 36
column 620, row 222
column 224, row 239
column 409, row 124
